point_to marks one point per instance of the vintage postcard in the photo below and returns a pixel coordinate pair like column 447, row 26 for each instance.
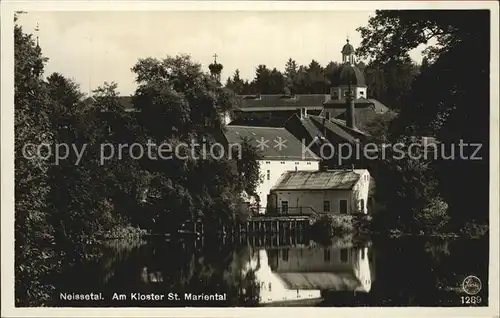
column 237, row 159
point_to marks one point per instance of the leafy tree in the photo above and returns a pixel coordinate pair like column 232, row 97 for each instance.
column 390, row 82
column 33, row 232
column 180, row 105
column 439, row 103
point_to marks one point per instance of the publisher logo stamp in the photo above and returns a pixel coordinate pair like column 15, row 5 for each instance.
column 471, row 285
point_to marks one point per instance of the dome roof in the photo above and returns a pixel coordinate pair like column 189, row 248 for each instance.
column 215, row 67
column 348, row 49
column 348, row 74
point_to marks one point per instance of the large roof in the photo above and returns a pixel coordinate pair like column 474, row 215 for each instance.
column 317, row 180
column 291, row 148
column 276, row 100
column 348, row 74
column 377, row 106
column 315, row 127
column 339, row 128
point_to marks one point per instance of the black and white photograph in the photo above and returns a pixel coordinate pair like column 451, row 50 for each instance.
column 271, row 154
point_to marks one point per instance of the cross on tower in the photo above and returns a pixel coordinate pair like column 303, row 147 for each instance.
column 37, row 28
column 215, row 57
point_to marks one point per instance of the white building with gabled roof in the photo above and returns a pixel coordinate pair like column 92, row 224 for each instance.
column 280, row 152
column 321, row 192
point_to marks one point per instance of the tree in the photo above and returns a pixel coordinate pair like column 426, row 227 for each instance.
column 390, row 82
column 236, row 84
column 268, row 81
column 180, row 105
column 33, row 233
column 439, row 103
column 290, row 75
column 330, row 71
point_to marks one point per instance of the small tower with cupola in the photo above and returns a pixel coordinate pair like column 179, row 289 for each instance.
column 216, row 69
column 348, row 77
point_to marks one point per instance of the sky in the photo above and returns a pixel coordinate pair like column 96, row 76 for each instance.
column 96, row 47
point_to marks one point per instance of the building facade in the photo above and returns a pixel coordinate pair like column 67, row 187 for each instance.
column 321, row 192
column 279, row 151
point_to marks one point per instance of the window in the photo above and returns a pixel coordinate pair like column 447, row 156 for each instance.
column 268, row 162
column 362, row 205
column 326, row 255
column 282, row 162
column 284, row 207
column 296, row 168
column 343, row 255
column 308, row 162
column 343, row 206
column 361, row 93
column 268, row 174
column 326, row 206
column 327, row 115
column 296, row 163
column 363, row 254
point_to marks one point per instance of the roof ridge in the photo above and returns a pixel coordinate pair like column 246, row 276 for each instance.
column 267, row 127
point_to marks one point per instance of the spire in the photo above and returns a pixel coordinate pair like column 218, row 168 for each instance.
column 37, row 29
column 216, row 69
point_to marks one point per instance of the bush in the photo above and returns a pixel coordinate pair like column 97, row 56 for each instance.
column 433, row 217
column 474, row 230
column 341, row 224
column 122, row 232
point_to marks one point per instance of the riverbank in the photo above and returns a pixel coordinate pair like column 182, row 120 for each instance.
column 362, row 225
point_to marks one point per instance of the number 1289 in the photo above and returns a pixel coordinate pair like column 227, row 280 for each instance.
column 470, row 300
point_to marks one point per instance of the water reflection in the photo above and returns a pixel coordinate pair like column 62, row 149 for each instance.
column 301, row 273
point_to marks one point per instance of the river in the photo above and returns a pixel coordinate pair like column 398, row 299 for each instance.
column 370, row 272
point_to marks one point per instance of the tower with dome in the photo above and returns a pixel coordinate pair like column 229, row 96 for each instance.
column 348, row 77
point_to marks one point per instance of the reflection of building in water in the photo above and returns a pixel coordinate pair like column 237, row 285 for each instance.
column 302, row 273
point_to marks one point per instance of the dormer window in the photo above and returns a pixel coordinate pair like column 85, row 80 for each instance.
column 335, row 95
column 327, row 115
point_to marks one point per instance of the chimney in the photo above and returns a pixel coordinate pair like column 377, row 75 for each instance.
column 305, row 112
column 350, row 118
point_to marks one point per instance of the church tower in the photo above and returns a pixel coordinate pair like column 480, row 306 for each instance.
column 348, row 79
column 216, row 69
